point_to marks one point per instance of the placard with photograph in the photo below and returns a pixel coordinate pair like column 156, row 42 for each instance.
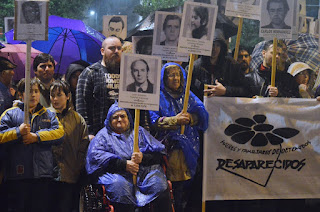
column 8, row 23
column 115, row 25
column 31, row 20
column 166, row 37
column 243, row 9
column 198, row 25
column 139, row 81
column 142, row 45
column 277, row 19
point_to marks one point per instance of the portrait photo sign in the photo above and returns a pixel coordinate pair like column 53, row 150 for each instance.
column 198, row 25
column 31, row 20
column 142, row 44
column 166, row 36
column 243, row 9
column 279, row 19
column 139, row 82
column 115, row 25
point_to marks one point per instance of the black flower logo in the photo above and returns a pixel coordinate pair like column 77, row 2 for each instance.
column 259, row 133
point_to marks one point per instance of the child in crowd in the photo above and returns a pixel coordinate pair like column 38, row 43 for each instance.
column 29, row 159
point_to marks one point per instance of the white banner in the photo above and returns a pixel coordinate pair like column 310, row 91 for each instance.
column 265, row 148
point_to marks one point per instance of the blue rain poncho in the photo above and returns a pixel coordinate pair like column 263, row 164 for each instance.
column 108, row 146
column 171, row 105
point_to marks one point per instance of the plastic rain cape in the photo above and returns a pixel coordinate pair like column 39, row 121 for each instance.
column 107, row 146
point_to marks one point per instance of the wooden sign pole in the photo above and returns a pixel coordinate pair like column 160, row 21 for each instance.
column 236, row 51
column 27, row 82
column 274, row 62
column 136, row 137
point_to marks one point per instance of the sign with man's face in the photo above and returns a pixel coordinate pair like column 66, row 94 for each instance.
column 31, row 20
column 166, row 36
column 243, row 8
column 115, row 25
column 278, row 18
column 139, row 82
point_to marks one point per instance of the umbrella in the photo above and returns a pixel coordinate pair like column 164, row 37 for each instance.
column 304, row 49
column 17, row 54
column 69, row 40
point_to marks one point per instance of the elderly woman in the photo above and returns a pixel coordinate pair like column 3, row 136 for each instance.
column 112, row 162
column 183, row 150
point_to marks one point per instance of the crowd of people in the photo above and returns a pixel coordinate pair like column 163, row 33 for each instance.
column 77, row 133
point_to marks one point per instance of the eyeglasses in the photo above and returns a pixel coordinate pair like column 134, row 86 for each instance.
column 173, row 75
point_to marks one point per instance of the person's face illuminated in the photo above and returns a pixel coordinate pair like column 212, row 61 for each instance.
column 172, row 30
column 195, row 21
column 120, row 121
column 244, row 56
column 277, row 13
column 31, row 14
column 115, row 28
column 302, row 77
column 34, row 96
column 140, row 72
column 267, row 56
column 59, row 99
column 111, row 51
column 45, row 72
column 173, row 80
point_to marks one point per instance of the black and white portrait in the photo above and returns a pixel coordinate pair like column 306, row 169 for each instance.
column 142, row 44
column 140, row 72
column 277, row 11
column 139, row 81
column 166, row 36
column 198, row 25
column 31, row 20
column 30, row 13
column 115, row 26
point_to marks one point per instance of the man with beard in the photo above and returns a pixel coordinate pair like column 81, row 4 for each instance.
column 244, row 59
column 98, row 86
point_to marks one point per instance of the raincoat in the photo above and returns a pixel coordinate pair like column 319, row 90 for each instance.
column 171, row 106
column 108, row 147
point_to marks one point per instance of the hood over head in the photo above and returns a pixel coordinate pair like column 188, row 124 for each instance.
column 114, row 108
column 297, row 67
column 183, row 81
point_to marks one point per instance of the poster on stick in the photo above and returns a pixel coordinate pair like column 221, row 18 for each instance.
column 198, row 25
column 264, row 148
column 139, row 81
column 166, row 37
column 243, row 9
column 115, row 25
column 31, row 20
column 278, row 19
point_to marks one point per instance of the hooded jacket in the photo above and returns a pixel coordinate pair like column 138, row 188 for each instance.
column 33, row 160
column 171, row 106
column 106, row 162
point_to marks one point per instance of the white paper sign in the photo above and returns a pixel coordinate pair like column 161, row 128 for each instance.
column 243, row 8
column 139, row 82
column 142, row 45
column 31, row 20
column 166, row 36
column 198, row 25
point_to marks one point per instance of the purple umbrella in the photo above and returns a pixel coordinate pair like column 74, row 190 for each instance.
column 69, row 40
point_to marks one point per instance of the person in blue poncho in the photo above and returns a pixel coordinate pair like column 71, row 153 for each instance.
column 183, row 150
column 110, row 161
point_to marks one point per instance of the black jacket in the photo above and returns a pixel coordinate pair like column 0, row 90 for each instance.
column 259, row 80
column 228, row 74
